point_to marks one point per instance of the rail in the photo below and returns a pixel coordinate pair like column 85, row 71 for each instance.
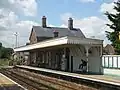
column 35, row 81
column 76, row 78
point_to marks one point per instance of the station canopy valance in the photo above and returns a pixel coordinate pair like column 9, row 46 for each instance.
column 60, row 41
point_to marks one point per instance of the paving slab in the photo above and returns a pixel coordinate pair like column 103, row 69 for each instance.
column 8, row 84
column 113, row 80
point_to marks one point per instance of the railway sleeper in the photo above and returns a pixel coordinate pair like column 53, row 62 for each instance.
column 30, row 84
column 57, row 82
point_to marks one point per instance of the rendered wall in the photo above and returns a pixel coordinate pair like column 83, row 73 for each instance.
column 109, row 71
column 78, row 53
column 94, row 60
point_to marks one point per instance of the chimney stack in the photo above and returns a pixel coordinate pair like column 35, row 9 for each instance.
column 70, row 23
column 44, row 22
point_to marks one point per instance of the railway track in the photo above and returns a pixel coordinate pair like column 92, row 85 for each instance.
column 25, row 82
column 34, row 81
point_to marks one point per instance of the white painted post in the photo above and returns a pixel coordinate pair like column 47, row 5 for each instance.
column 87, row 58
column 87, row 54
column 101, row 53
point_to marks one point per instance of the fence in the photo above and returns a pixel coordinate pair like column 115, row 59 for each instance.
column 111, row 61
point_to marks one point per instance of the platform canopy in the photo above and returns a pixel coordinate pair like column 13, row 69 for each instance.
column 60, row 41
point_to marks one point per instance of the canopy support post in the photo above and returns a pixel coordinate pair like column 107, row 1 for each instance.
column 87, row 47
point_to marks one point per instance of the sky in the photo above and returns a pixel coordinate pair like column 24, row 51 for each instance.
column 20, row 15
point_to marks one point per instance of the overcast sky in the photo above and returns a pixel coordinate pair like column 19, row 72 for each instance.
column 20, row 15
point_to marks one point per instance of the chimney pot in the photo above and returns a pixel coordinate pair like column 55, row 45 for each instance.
column 70, row 23
column 44, row 22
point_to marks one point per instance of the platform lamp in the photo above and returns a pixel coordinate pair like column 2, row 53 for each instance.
column 16, row 35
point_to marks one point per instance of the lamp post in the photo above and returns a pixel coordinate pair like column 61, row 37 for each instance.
column 16, row 35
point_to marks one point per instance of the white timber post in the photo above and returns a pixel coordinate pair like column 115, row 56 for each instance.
column 87, row 54
column 101, row 54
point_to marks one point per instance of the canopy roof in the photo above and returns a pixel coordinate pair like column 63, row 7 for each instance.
column 60, row 41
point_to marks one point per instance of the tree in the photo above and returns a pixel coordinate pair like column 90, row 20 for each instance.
column 5, row 52
column 0, row 45
column 0, row 49
column 115, row 26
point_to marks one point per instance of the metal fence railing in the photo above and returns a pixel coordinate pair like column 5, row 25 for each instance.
column 111, row 61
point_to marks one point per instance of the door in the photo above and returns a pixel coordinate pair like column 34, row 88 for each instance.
column 71, row 63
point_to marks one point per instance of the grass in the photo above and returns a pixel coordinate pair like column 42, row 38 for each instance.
column 4, row 62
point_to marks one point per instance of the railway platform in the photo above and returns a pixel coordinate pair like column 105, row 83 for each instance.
column 8, row 84
column 110, row 82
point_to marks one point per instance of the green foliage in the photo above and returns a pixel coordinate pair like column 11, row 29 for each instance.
column 115, row 26
column 5, row 52
column 0, row 44
column 4, row 62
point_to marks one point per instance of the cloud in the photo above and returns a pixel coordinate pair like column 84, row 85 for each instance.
column 9, row 24
column 26, row 7
column 10, row 10
column 90, row 26
column 85, row 1
column 107, row 7
column 66, row 16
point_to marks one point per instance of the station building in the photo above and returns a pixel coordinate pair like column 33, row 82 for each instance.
column 62, row 49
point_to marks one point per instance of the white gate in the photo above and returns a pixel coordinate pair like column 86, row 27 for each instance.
column 111, row 61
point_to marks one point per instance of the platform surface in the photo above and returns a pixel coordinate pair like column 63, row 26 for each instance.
column 113, row 80
column 7, row 84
